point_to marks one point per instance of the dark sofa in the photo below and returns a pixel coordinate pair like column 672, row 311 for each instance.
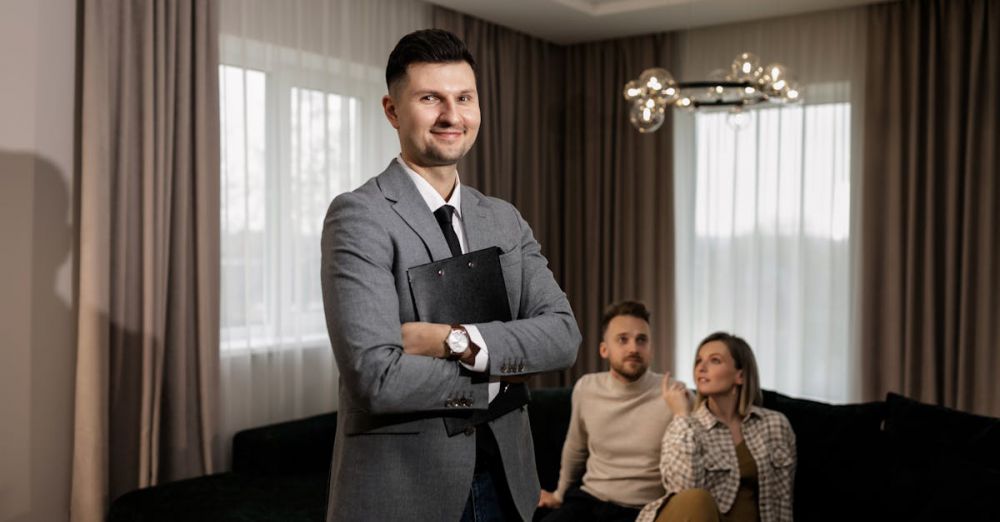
column 896, row 459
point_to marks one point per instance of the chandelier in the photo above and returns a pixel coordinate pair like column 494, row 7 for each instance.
column 747, row 84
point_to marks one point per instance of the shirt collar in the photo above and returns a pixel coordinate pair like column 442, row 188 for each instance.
column 707, row 419
column 431, row 197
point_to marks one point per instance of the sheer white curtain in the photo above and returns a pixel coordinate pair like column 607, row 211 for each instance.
column 765, row 217
column 301, row 121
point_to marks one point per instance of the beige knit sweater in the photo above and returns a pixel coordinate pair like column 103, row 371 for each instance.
column 614, row 439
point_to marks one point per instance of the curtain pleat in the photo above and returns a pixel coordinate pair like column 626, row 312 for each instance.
column 618, row 200
column 147, row 352
column 556, row 142
column 930, row 315
column 302, row 84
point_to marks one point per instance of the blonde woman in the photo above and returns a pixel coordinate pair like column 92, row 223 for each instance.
column 724, row 457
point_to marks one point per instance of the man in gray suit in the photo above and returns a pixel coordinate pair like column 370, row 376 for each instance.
column 432, row 423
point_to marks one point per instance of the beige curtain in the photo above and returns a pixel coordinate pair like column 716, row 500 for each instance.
column 556, row 142
column 147, row 354
column 930, row 298
column 617, row 192
column 518, row 154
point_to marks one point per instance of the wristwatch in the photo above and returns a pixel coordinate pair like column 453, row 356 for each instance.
column 457, row 342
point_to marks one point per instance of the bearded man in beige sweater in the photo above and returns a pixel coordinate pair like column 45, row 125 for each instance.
column 611, row 457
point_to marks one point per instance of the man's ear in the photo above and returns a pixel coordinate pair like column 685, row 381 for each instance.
column 603, row 350
column 389, row 107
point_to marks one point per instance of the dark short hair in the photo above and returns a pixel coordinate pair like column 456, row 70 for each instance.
column 743, row 359
column 425, row 46
column 633, row 308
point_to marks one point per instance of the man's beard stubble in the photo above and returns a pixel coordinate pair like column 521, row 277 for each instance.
column 437, row 156
column 631, row 375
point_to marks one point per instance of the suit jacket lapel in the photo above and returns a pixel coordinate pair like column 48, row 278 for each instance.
column 480, row 231
column 397, row 187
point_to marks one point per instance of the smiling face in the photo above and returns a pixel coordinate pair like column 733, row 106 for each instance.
column 435, row 109
column 715, row 371
column 627, row 347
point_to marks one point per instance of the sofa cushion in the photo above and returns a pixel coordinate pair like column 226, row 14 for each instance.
column 840, row 463
column 945, row 464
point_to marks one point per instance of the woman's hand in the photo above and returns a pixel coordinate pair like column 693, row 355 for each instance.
column 675, row 394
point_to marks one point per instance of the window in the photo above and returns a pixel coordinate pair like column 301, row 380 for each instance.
column 243, row 210
column 763, row 243
column 288, row 148
column 301, row 122
column 778, row 172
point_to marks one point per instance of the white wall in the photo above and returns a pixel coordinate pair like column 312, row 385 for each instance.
column 37, row 320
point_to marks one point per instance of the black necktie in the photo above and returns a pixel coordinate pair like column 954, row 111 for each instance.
column 443, row 215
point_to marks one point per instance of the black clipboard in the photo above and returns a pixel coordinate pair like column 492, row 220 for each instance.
column 465, row 289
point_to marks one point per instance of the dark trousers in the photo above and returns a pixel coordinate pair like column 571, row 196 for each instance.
column 489, row 499
column 578, row 506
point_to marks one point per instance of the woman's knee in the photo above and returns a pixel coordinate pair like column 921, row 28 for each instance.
column 690, row 505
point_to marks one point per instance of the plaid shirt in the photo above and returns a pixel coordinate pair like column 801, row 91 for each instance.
column 698, row 452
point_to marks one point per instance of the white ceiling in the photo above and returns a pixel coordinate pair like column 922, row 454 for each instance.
column 574, row 21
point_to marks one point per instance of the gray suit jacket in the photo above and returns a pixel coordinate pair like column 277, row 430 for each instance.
column 393, row 459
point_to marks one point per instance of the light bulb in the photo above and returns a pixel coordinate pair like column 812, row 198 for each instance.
column 793, row 92
column 738, row 119
column 646, row 116
column 746, row 67
column 655, row 79
column 774, row 78
column 633, row 91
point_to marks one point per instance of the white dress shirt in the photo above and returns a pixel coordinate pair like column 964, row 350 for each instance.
column 435, row 201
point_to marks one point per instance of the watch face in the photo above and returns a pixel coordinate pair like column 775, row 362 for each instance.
column 458, row 341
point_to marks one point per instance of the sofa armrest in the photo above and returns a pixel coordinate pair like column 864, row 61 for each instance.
column 549, row 412
column 294, row 447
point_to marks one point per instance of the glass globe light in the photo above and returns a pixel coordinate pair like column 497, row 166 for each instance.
column 633, row 91
column 738, row 119
column 717, row 75
column 668, row 94
column 655, row 79
column 774, row 80
column 746, row 68
column 714, row 93
column 793, row 94
column 789, row 94
column 646, row 115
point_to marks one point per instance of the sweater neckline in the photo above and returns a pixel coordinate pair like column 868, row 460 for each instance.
column 635, row 386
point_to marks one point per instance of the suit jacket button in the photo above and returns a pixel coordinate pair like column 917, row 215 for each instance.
column 470, row 430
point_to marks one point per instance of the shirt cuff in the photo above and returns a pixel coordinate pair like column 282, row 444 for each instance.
column 483, row 357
